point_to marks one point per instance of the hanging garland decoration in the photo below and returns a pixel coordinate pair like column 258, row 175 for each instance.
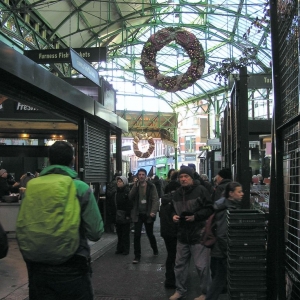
column 189, row 43
column 136, row 150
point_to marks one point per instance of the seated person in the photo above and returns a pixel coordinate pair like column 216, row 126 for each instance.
column 5, row 187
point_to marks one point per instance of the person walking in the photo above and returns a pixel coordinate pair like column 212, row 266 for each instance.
column 145, row 206
column 233, row 195
column 168, row 231
column 123, row 204
column 68, row 277
column 191, row 206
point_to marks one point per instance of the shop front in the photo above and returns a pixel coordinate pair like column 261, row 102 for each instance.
column 37, row 107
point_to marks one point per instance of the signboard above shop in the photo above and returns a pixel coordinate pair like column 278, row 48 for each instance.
column 83, row 67
column 95, row 54
column 255, row 81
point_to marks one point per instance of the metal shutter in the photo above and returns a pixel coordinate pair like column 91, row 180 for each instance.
column 96, row 158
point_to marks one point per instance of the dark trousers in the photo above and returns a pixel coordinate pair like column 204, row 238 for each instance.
column 219, row 279
column 171, row 243
column 138, row 232
column 123, row 232
column 68, row 281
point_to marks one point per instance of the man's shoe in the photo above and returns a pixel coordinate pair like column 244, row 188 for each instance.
column 202, row 297
column 136, row 260
column 155, row 253
column 176, row 296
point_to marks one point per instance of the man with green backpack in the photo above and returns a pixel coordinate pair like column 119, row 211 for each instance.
column 57, row 217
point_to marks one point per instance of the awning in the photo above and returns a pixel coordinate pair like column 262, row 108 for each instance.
column 160, row 166
column 149, row 170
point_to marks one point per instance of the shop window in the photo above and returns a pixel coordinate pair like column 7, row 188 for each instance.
column 190, row 144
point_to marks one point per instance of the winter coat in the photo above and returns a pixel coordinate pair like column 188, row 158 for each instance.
column 91, row 226
column 168, row 228
column 219, row 189
column 152, row 202
column 221, row 206
column 158, row 185
column 121, row 198
column 171, row 186
column 192, row 200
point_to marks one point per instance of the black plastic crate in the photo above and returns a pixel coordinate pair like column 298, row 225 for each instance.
column 245, row 242
column 237, row 234
column 248, row 256
column 247, row 296
column 245, row 247
column 248, row 274
column 234, row 265
column 246, row 228
column 247, row 290
column 261, row 283
column 245, row 216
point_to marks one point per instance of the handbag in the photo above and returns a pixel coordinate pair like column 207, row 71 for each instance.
column 121, row 217
column 3, row 242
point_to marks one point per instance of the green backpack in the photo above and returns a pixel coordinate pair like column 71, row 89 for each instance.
column 49, row 219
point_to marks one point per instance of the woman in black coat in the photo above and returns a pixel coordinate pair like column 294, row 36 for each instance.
column 168, row 230
column 233, row 195
column 121, row 201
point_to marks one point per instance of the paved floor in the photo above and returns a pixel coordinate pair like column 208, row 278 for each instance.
column 13, row 273
column 114, row 276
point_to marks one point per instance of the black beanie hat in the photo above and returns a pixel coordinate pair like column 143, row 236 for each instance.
column 225, row 174
column 186, row 170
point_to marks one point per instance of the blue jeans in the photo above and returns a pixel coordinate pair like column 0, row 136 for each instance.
column 219, row 279
column 68, row 281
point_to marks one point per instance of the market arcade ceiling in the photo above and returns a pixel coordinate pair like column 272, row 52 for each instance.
column 231, row 32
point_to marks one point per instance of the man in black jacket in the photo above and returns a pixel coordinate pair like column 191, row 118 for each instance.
column 191, row 206
column 145, row 207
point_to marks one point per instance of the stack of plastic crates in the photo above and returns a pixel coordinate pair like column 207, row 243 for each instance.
column 246, row 254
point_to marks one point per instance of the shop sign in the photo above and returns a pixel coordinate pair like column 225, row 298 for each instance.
column 94, row 54
column 126, row 148
column 145, row 162
column 255, row 81
column 202, row 148
column 190, row 157
column 161, row 160
column 24, row 108
column 83, row 67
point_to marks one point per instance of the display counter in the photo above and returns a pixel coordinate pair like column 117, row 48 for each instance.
column 8, row 215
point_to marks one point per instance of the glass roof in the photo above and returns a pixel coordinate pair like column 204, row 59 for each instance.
column 226, row 30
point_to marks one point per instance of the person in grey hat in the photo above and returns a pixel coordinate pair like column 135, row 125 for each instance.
column 191, row 206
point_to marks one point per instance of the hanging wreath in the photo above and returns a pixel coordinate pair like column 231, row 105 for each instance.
column 139, row 153
column 191, row 45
